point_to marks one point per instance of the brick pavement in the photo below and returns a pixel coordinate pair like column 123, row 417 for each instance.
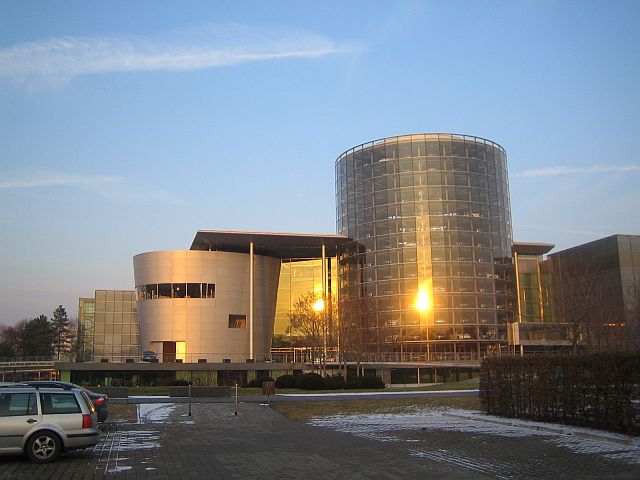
column 259, row 442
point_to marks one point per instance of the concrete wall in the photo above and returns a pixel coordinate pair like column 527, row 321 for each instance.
column 203, row 323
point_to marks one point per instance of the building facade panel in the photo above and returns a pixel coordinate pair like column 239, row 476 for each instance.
column 108, row 327
column 194, row 305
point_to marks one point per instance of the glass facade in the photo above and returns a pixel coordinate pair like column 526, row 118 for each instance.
column 429, row 273
column 595, row 289
column 298, row 278
column 86, row 317
column 109, row 327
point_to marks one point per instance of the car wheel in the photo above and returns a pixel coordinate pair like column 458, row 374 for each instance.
column 44, row 447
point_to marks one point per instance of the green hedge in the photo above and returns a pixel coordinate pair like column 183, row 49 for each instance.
column 313, row 381
column 598, row 390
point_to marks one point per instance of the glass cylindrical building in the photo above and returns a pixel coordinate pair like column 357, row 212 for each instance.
column 428, row 274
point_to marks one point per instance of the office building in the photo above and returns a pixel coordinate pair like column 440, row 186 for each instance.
column 217, row 301
column 427, row 273
column 595, row 290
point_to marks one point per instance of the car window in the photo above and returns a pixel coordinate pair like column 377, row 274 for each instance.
column 13, row 404
column 53, row 403
column 88, row 400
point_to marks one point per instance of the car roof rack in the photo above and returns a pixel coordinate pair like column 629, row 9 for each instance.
column 37, row 387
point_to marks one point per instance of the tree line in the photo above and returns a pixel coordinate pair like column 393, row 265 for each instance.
column 39, row 337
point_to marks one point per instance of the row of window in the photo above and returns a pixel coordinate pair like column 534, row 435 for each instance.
column 373, row 317
column 18, row 404
column 416, row 146
column 418, row 163
column 360, row 186
column 409, row 193
column 175, row 290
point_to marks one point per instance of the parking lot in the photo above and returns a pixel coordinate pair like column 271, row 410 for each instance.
column 160, row 440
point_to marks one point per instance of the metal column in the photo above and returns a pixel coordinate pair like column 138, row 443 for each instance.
column 251, row 300
column 324, row 311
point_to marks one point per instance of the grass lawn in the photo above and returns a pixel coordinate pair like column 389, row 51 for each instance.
column 306, row 410
column 462, row 385
column 122, row 412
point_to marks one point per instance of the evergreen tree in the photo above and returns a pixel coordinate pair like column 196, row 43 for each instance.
column 10, row 340
column 61, row 332
column 36, row 337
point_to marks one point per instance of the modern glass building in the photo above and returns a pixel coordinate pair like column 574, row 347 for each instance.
column 428, row 273
column 534, row 328
column 595, row 290
column 108, row 328
column 217, row 301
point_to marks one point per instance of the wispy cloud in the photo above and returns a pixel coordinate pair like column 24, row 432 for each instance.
column 560, row 170
column 60, row 59
column 47, row 179
column 110, row 188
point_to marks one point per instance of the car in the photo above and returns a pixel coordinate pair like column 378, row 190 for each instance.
column 43, row 421
column 149, row 356
column 99, row 400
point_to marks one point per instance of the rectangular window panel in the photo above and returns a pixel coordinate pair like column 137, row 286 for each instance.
column 16, row 404
column 164, row 290
column 237, row 321
column 193, row 290
column 178, row 290
column 54, row 403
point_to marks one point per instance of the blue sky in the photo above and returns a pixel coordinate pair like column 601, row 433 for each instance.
column 127, row 126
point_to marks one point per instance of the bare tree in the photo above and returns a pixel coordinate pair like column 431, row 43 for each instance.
column 308, row 321
column 632, row 321
column 578, row 300
column 351, row 332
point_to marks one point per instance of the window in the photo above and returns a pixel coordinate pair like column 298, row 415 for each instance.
column 151, row 291
column 237, row 321
column 164, row 290
column 176, row 290
column 193, row 290
column 15, row 404
column 59, row 403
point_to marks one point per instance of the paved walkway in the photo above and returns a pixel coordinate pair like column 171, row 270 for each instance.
column 260, row 443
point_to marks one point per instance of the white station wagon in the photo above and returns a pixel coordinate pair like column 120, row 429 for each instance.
column 43, row 421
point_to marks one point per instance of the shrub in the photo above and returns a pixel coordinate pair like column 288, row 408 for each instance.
column 335, row 382
column 367, row 382
column 286, row 381
column 179, row 383
column 588, row 390
column 371, row 382
column 310, row 381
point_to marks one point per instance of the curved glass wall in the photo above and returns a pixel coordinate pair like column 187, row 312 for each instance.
column 429, row 273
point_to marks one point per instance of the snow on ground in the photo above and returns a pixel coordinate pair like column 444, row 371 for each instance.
column 155, row 412
column 392, row 427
